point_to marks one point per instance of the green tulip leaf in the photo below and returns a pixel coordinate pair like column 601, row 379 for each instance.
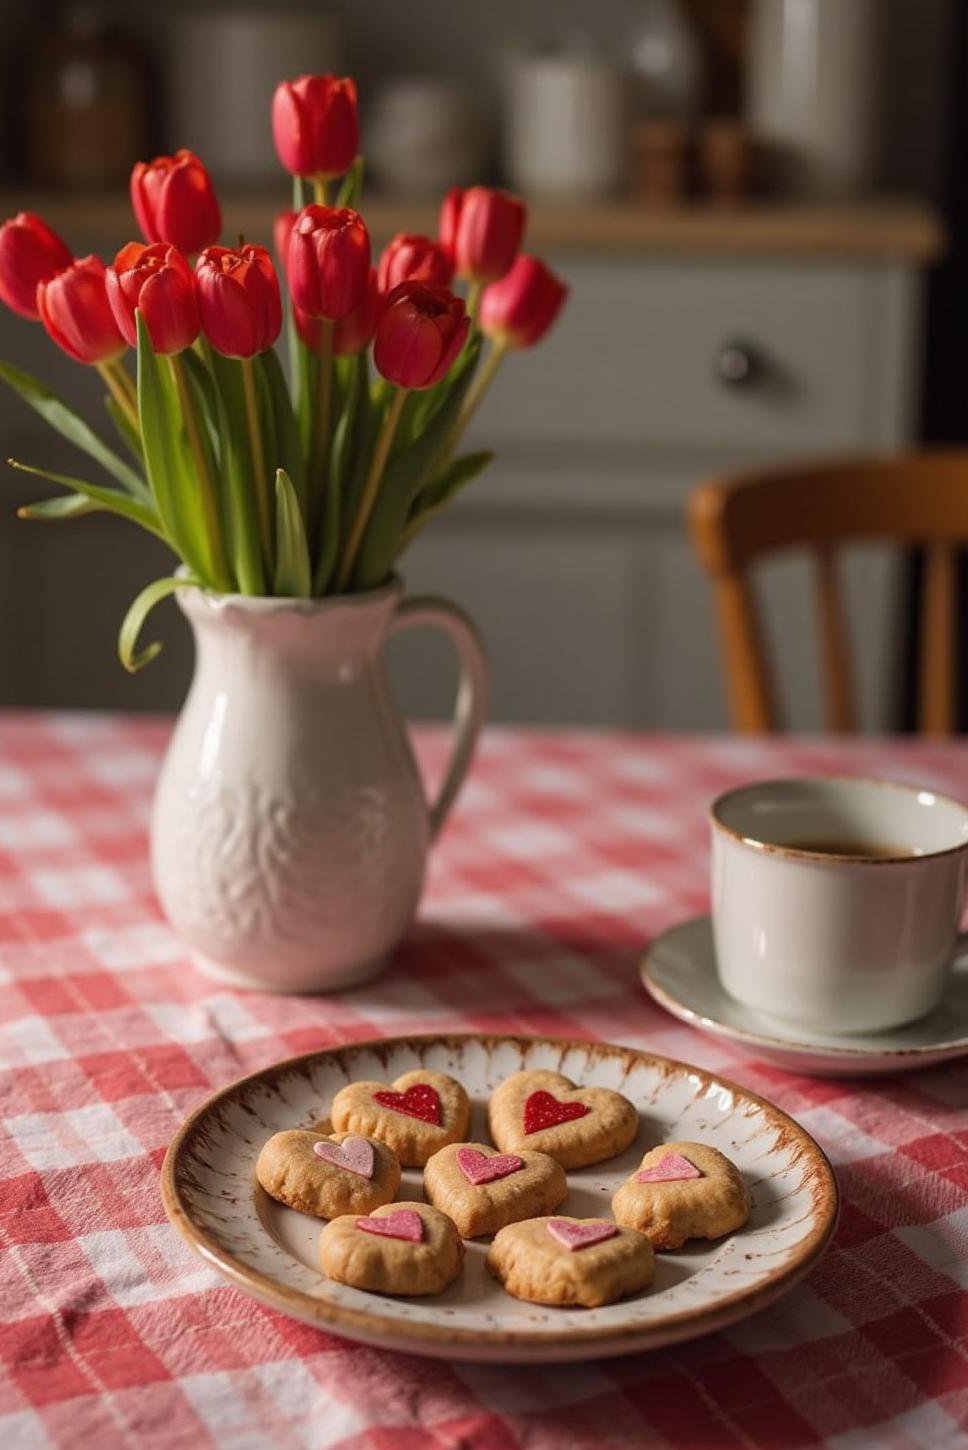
column 406, row 474
column 127, row 432
column 65, row 421
column 351, row 185
column 288, row 451
column 170, row 473
column 64, row 506
column 349, row 459
column 423, row 406
column 133, row 622
column 236, row 475
column 99, row 496
column 293, row 574
column 451, row 479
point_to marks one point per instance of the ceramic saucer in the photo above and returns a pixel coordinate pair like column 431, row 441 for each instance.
column 679, row 971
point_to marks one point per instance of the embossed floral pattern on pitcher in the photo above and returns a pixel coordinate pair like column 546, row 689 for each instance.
column 290, row 829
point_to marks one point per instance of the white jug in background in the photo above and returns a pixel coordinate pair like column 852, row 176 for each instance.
column 567, row 133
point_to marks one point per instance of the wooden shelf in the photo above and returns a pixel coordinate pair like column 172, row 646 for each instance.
column 896, row 229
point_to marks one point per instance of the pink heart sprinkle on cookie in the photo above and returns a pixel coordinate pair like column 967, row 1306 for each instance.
column 419, row 1101
column 404, row 1224
column 541, row 1110
column 672, row 1168
column 355, row 1154
column 581, row 1235
column 478, row 1168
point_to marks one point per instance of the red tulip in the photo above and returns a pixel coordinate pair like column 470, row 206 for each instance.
column 74, row 308
column 315, row 126
column 238, row 299
column 420, row 332
column 521, row 307
column 354, row 332
column 410, row 258
column 175, row 202
column 29, row 253
column 158, row 280
column 329, row 261
column 482, row 230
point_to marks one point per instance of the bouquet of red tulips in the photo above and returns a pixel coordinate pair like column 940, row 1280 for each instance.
column 263, row 484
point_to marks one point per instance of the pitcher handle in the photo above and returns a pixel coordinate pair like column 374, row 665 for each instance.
column 471, row 705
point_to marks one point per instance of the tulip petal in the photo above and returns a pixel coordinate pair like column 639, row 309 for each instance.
column 170, row 313
column 226, row 315
column 408, row 346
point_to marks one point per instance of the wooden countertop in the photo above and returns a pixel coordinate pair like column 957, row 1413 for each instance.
column 890, row 228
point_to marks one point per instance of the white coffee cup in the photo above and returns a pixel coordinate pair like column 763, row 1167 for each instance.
column 850, row 940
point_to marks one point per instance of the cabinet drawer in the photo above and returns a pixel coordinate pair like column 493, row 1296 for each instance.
column 634, row 357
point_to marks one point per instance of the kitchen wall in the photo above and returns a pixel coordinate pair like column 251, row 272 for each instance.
column 386, row 38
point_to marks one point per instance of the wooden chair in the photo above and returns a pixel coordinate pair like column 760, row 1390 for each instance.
column 917, row 499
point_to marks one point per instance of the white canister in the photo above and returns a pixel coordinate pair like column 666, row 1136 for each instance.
column 424, row 134
column 225, row 65
column 567, row 129
column 812, row 94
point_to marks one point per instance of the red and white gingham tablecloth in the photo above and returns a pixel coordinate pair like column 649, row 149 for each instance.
column 565, row 854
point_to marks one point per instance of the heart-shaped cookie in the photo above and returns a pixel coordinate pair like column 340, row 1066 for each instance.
column 344, row 1173
column 683, row 1191
column 403, row 1248
column 546, row 1112
column 482, row 1190
column 415, row 1116
column 570, row 1261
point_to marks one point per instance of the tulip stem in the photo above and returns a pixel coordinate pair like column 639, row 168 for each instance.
column 319, row 191
column 473, row 303
column 481, row 384
column 381, row 453
column 258, row 461
column 206, row 483
column 322, row 422
column 125, row 397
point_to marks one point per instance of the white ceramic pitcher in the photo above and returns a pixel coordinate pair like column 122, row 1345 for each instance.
column 290, row 829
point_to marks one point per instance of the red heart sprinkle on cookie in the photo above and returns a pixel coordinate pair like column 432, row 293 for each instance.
column 404, row 1224
column 580, row 1235
column 541, row 1110
column 355, row 1154
column 672, row 1168
column 478, row 1168
column 419, row 1101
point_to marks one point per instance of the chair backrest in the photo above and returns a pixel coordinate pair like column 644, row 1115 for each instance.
column 914, row 499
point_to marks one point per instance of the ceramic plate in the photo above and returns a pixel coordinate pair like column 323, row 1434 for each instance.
column 269, row 1251
column 679, row 971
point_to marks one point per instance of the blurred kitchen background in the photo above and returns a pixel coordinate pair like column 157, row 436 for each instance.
column 759, row 207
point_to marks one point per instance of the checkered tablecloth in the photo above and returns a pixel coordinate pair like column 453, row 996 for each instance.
column 565, row 854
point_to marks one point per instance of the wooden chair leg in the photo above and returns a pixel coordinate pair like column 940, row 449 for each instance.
column 938, row 641
column 834, row 658
column 748, row 680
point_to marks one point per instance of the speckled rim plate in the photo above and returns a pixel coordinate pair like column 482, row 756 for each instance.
column 210, row 1195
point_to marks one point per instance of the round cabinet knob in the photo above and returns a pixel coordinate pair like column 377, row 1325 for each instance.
column 738, row 364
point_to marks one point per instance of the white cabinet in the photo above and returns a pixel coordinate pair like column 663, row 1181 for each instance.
column 571, row 551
